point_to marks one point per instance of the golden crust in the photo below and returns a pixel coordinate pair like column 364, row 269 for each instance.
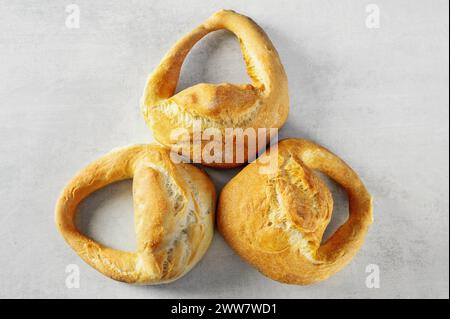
column 276, row 221
column 262, row 104
column 173, row 212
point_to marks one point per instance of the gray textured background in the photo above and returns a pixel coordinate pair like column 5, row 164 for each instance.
column 377, row 97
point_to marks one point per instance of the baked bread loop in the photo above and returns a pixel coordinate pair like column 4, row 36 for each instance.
column 276, row 221
column 173, row 215
column 262, row 104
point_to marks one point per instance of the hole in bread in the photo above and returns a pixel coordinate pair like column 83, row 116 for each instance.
column 216, row 58
column 107, row 216
column 340, row 206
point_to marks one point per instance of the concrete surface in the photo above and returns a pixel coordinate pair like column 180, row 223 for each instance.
column 376, row 96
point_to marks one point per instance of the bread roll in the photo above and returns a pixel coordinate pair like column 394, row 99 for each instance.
column 263, row 104
column 276, row 221
column 173, row 215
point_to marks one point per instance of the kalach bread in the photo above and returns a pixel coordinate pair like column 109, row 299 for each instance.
column 262, row 104
column 173, row 214
column 275, row 221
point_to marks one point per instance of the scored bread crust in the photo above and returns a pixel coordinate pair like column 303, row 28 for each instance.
column 173, row 215
column 276, row 221
column 262, row 104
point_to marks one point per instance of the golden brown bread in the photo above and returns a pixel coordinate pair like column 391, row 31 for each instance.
column 173, row 214
column 276, row 221
column 262, row 104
